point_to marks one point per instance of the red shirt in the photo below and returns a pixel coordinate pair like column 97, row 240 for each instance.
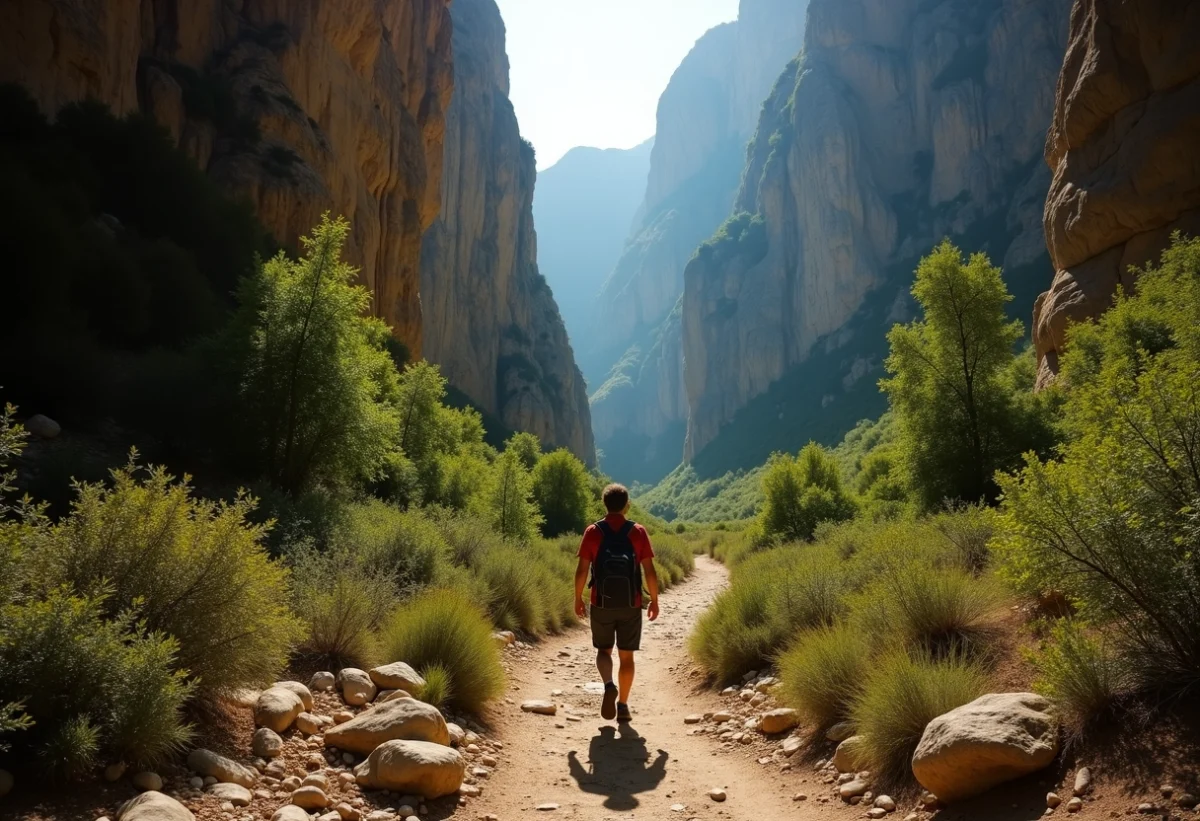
column 592, row 538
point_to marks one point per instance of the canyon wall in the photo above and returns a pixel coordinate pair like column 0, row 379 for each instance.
column 902, row 122
column 301, row 107
column 1124, row 149
column 491, row 321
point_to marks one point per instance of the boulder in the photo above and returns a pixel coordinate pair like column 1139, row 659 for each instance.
column 402, row 719
column 266, row 743
column 839, row 732
column 778, row 721
column 357, row 687
column 225, row 770
column 397, row 676
column 154, row 806
column 457, row 734
column 147, row 781
column 235, row 794
column 994, row 739
column 43, row 427
column 277, row 708
column 322, row 682
column 300, row 690
column 290, row 812
column 310, row 798
column 308, row 724
column 417, row 767
column 850, row 755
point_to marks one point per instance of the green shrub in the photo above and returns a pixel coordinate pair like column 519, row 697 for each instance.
column 1080, row 673
column 820, row 674
column 508, row 499
column 673, row 559
column 405, row 547
column 438, row 689
column 969, row 529
column 517, row 596
column 735, row 634
column 562, row 492
column 194, row 570
column 899, row 697
column 801, row 493
column 444, row 627
column 341, row 604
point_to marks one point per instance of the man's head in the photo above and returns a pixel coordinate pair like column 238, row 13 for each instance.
column 616, row 498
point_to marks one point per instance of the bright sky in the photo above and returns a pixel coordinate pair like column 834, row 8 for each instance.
column 589, row 72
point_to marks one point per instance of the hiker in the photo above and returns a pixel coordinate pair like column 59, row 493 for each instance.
column 617, row 551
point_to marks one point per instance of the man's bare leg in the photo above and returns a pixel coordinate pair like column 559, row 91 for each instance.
column 604, row 663
column 625, row 674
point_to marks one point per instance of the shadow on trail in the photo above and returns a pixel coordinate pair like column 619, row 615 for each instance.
column 619, row 767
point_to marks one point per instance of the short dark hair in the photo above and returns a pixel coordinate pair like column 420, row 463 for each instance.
column 616, row 497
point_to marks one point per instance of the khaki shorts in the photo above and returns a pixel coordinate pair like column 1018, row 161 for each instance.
column 622, row 625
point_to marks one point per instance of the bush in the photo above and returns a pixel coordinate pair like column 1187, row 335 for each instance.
column 530, row 588
column 438, row 689
column 735, row 634
column 405, row 547
column 562, row 492
column 1081, row 674
column 508, row 501
column 899, row 697
column 341, row 605
column 801, row 493
column 443, row 627
column 192, row 569
column 673, row 559
column 821, row 673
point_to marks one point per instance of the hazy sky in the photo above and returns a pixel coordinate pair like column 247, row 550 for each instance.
column 589, row 72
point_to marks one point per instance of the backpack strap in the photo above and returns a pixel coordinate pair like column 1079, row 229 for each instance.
column 626, row 528
column 604, row 527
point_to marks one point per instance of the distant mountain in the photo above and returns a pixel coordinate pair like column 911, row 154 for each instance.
column 583, row 206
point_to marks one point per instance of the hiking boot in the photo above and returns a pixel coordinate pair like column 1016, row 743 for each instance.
column 608, row 709
column 623, row 713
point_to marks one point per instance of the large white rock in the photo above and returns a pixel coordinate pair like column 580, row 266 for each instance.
column 277, row 708
column 154, row 806
column 357, row 687
column 322, row 681
column 400, row 719
column 300, row 690
column 416, row 767
column 397, row 676
column 225, row 770
column 993, row 739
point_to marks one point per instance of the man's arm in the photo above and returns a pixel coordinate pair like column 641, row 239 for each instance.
column 652, row 586
column 581, row 577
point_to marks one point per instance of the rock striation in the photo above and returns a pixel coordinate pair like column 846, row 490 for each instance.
column 902, row 122
column 1122, row 149
column 491, row 320
column 300, row 107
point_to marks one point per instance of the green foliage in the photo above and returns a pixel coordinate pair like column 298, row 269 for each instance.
column 444, row 627
column 508, row 501
column 341, row 605
column 899, row 697
column 318, row 387
column 404, row 547
column 674, row 560
column 684, row 494
column 527, row 447
column 192, row 569
column 800, row 493
column 742, row 235
column 821, row 671
column 562, row 491
column 529, row 587
column 958, row 423
column 439, row 688
column 1081, row 673
column 1112, row 522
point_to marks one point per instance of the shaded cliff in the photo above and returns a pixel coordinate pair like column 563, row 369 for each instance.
column 705, row 116
column 583, row 208
column 1123, row 149
column 301, row 107
column 491, row 322
column 903, row 121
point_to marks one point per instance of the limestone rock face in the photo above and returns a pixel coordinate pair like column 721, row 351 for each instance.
column 705, row 116
column 902, row 122
column 1122, row 149
column 994, row 739
column 330, row 106
column 491, row 320
column 402, row 718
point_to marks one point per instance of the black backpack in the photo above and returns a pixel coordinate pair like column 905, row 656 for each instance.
column 616, row 574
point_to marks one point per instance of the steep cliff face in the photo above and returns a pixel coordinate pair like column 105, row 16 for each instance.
column 705, row 117
column 903, row 121
column 491, row 322
column 301, row 107
column 1124, row 152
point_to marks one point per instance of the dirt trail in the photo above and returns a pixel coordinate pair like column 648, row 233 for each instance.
column 593, row 772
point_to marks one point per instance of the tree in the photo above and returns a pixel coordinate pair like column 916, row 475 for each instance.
column 509, row 503
column 799, row 493
column 527, row 447
column 317, row 381
column 946, row 384
column 562, row 490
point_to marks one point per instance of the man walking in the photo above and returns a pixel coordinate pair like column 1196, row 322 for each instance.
column 617, row 551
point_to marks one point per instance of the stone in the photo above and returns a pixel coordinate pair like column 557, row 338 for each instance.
column 6, row 783
column 717, row 794
column 693, row 719
column 1145, row 808
column 470, row 790
column 850, row 756
column 266, row 743
column 1083, row 781
column 318, row 780
column 546, row 806
column 290, row 812
column 839, row 732
column 457, row 734
column 342, row 716
column 419, row 767
column 147, row 781
column 994, row 739
column 778, row 721
column 235, row 794
column 1188, row 801
column 42, row 426
column 310, row 798
column 322, row 682
column 397, row 676
column 885, row 802
column 876, row 813
column 347, row 812
column 1053, row 800
column 402, row 719
column 299, row 689
column 114, row 772
column 277, row 708
column 540, row 706
column 1075, row 804
column 791, row 746
column 308, row 724
column 853, row 789
column 208, row 763
column 154, row 806
column 357, row 687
